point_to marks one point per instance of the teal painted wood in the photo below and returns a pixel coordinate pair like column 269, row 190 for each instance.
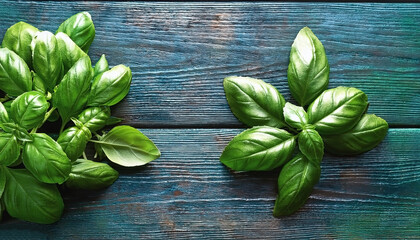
column 180, row 52
column 189, row 194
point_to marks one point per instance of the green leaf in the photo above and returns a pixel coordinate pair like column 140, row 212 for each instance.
column 46, row 59
column 254, row 102
column 90, row 175
column 72, row 93
column 80, row 29
column 4, row 115
column 311, row 145
column 113, row 120
column 337, row 110
column 295, row 116
column 101, row 66
column 308, row 68
column 2, row 181
column 29, row 109
column 15, row 76
column 18, row 131
column 95, row 118
column 366, row 135
column 110, row 87
column 73, row 141
column 9, row 149
column 18, row 38
column 70, row 52
column 45, row 159
column 128, row 147
column 38, row 84
column 30, row 200
column 259, row 149
column 295, row 184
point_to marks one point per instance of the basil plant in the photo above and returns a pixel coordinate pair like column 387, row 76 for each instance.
column 47, row 77
column 292, row 137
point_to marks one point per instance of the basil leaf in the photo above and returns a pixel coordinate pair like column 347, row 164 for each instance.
column 73, row 141
column 19, row 132
column 113, row 120
column 4, row 116
column 308, row 69
column 95, row 118
column 46, row 59
column 72, row 93
column 80, row 29
column 69, row 51
column 295, row 116
column 18, row 38
column 295, row 183
column 45, row 159
column 366, row 135
column 29, row 109
column 101, row 66
column 311, row 145
column 337, row 110
column 259, row 149
column 30, row 200
column 90, row 175
column 2, row 181
column 15, row 76
column 38, row 84
column 9, row 149
column 128, row 147
column 110, row 87
column 254, row 102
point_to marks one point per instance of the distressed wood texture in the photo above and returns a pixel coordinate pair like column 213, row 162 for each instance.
column 188, row 193
column 180, row 52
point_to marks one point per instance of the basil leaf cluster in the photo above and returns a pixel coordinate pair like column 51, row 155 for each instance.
column 48, row 76
column 334, row 120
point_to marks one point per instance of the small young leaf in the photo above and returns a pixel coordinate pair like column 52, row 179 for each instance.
column 337, row 110
column 295, row 183
column 254, row 102
column 95, row 118
column 101, row 66
column 113, row 120
column 295, row 116
column 80, row 29
column 308, row 68
column 311, row 145
column 45, row 159
column 9, row 149
column 90, row 175
column 70, row 52
column 73, row 141
column 366, row 135
column 15, row 76
column 30, row 200
column 29, row 109
column 259, row 149
column 128, row 147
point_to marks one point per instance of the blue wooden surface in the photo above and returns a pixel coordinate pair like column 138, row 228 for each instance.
column 179, row 54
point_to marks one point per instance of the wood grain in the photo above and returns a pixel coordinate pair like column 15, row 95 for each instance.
column 180, row 52
column 189, row 194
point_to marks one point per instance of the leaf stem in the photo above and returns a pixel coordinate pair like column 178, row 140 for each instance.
column 84, row 155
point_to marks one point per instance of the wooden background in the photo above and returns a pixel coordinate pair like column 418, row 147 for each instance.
column 179, row 54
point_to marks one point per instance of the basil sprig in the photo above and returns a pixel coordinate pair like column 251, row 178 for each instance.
column 46, row 77
column 335, row 120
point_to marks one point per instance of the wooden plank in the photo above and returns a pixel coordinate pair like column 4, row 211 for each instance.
column 180, row 52
column 189, row 194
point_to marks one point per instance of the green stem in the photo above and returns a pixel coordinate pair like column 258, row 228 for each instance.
column 4, row 99
column 84, row 155
column 63, row 124
column 47, row 115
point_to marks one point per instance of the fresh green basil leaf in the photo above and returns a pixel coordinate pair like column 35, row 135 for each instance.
column 38, row 84
column 19, row 132
column 70, row 52
column 72, row 93
column 90, row 175
column 113, row 120
column 73, row 141
column 110, row 87
column 45, row 159
column 295, row 116
column 366, row 135
column 295, row 184
column 46, row 59
column 128, row 147
column 18, row 38
column 101, row 66
column 308, row 68
column 4, row 115
column 95, row 118
column 80, row 29
column 311, row 145
column 254, row 102
column 9, row 149
column 337, row 110
column 2, row 181
column 29, row 109
column 30, row 200
column 7, row 105
column 259, row 149
column 15, row 76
